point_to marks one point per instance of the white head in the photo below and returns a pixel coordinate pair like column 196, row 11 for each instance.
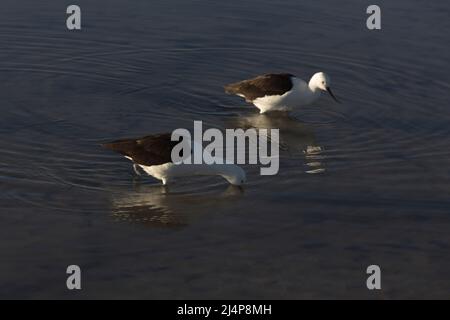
column 321, row 81
column 235, row 175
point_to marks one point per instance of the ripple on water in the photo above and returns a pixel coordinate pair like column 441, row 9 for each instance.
column 157, row 90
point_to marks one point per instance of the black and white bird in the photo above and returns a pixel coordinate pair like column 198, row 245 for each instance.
column 281, row 91
column 153, row 154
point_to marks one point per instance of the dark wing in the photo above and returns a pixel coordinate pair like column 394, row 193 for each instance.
column 149, row 151
column 265, row 85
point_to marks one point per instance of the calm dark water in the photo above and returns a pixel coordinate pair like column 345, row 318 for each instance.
column 364, row 182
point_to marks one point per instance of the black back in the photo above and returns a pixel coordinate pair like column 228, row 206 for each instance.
column 265, row 85
column 149, row 150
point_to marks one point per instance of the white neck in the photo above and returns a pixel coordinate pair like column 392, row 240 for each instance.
column 225, row 170
column 313, row 87
column 314, row 91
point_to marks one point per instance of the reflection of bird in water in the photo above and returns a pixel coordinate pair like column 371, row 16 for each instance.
column 281, row 92
column 157, row 206
column 295, row 137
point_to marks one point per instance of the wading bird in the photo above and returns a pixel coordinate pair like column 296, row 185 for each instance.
column 153, row 154
column 281, row 92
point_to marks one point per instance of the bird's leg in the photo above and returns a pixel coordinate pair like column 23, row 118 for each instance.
column 165, row 189
column 136, row 169
column 167, row 181
column 136, row 183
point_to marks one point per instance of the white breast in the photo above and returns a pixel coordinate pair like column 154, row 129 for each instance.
column 163, row 172
column 299, row 95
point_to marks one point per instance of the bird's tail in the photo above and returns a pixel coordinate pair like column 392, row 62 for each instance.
column 120, row 146
column 231, row 88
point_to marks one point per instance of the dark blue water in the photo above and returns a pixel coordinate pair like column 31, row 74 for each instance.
column 360, row 183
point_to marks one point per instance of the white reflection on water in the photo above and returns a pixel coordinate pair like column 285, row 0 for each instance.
column 297, row 140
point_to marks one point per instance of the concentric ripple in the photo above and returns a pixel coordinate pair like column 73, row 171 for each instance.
column 65, row 95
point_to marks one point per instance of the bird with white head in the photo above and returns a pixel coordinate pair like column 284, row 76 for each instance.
column 281, row 91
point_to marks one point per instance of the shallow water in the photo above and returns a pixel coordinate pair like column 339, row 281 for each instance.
column 363, row 182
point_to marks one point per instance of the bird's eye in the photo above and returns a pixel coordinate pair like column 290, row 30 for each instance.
column 323, row 82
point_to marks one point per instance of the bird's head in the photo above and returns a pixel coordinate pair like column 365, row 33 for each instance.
column 322, row 81
column 235, row 175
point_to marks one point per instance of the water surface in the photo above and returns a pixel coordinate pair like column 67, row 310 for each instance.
column 363, row 182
